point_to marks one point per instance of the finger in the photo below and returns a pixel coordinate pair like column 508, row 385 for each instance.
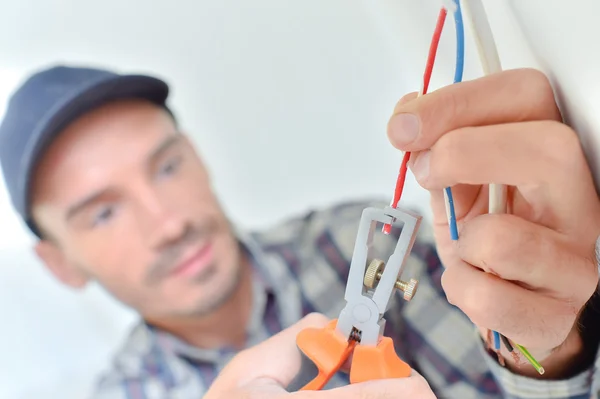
column 530, row 155
column 510, row 96
column 520, row 251
column 532, row 320
column 501, row 154
column 276, row 360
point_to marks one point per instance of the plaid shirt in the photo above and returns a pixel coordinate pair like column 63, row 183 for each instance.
column 301, row 266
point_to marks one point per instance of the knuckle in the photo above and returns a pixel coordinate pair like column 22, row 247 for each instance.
column 539, row 89
column 563, row 327
column 531, row 241
column 315, row 319
column 473, row 300
column 477, row 303
column 530, row 75
column 487, row 240
column 448, row 146
column 448, row 286
column 565, row 137
column 587, row 286
column 535, row 79
column 444, row 153
column 593, row 278
column 449, row 105
column 570, row 308
column 562, row 147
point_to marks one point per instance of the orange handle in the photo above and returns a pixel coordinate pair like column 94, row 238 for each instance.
column 377, row 363
column 327, row 349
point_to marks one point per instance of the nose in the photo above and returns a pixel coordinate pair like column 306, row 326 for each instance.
column 159, row 221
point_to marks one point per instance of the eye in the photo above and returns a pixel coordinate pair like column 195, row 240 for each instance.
column 170, row 166
column 103, row 215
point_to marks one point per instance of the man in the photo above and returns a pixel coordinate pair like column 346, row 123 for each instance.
column 97, row 167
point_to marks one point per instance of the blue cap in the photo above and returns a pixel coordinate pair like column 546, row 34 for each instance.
column 45, row 104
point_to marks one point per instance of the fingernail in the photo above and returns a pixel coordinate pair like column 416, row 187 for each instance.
column 420, row 168
column 404, row 129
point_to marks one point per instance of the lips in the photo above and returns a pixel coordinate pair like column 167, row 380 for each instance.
column 195, row 261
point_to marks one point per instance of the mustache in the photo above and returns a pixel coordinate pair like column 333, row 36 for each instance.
column 172, row 251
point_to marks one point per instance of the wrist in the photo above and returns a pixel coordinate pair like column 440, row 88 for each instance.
column 577, row 354
column 563, row 362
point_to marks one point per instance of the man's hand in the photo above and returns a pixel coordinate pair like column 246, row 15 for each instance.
column 264, row 371
column 539, row 260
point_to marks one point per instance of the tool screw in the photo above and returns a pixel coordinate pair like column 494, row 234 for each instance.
column 375, row 272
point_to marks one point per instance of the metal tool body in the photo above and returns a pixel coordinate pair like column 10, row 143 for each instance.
column 369, row 290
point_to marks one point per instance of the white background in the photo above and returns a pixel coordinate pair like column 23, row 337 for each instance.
column 287, row 101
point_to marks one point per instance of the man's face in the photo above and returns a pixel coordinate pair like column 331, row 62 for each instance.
column 126, row 201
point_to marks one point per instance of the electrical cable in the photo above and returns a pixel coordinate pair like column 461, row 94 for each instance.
column 435, row 41
column 507, row 343
column 496, row 340
column 424, row 88
column 433, row 48
column 490, row 63
column 536, row 365
column 458, row 77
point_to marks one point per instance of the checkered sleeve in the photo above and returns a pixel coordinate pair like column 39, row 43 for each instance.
column 147, row 374
column 519, row 387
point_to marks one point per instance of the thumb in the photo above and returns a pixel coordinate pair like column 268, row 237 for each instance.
column 274, row 361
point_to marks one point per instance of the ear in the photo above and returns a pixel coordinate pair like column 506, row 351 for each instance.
column 55, row 260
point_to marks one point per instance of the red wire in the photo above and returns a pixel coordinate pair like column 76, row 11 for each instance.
column 435, row 41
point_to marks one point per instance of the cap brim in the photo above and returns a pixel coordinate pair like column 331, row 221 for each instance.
column 80, row 102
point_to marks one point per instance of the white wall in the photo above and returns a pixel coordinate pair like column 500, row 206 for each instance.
column 313, row 80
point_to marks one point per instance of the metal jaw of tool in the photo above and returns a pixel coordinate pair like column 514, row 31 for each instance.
column 369, row 290
column 365, row 307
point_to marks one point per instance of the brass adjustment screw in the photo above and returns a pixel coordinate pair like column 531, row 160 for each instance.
column 374, row 273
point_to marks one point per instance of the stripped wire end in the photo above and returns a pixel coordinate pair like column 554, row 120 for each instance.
column 536, row 365
column 387, row 228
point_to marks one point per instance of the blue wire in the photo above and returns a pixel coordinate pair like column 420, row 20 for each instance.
column 452, row 221
column 496, row 340
column 460, row 43
column 458, row 76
